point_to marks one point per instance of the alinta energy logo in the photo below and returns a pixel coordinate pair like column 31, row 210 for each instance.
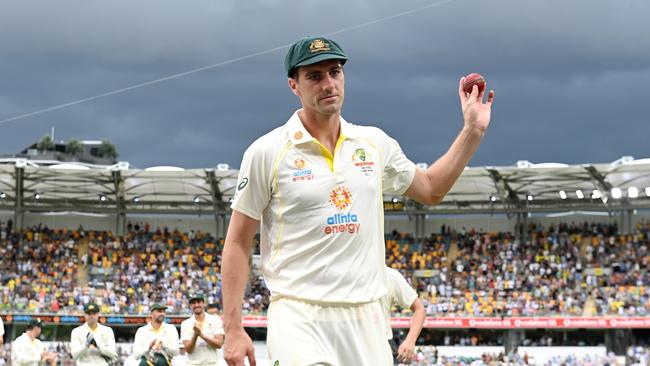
column 341, row 198
column 302, row 174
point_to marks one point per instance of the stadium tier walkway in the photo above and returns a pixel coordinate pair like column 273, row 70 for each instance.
column 584, row 244
column 82, row 268
column 452, row 253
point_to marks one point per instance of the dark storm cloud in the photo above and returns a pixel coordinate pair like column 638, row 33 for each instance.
column 569, row 76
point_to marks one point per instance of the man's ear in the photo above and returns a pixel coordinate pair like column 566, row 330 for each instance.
column 293, row 85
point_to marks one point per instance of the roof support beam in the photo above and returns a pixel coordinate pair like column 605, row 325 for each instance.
column 120, row 207
column 506, row 193
column 18, row 194
column 601, row 183
column 217, row 203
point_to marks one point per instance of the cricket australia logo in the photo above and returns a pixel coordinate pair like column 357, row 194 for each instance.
column 363, row 161
column 361, row 154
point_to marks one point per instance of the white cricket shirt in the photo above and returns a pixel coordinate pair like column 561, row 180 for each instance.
column 26, row 352
column 92, row 356
column 322, row 217
column 399, row 292
column 167, row 333
column 203, row 353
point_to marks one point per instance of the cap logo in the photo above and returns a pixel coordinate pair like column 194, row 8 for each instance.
column 319, row 46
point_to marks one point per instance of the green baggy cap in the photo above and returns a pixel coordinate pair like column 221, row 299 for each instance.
column 311, row 50
column 195, row 296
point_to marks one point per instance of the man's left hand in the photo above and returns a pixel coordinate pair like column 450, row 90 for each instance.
column 476, row 113
column 197, row 330
column 406, row 351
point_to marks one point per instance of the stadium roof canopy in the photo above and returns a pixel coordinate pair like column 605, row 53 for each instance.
column 46, row 186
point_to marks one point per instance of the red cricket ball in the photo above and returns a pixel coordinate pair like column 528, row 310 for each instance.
column 473, row 79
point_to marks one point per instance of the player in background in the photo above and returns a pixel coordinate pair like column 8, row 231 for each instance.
column 202, row 334
column 402, row 294
column 28, row 350
column 213, row 309
column 156, row 343
column 92, row 344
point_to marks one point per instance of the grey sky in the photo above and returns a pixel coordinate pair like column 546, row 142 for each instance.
column 570, row 76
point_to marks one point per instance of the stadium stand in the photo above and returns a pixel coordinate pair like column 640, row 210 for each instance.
column 472, row 274
column 561, row 270
column 491, row 274
column 45, row 273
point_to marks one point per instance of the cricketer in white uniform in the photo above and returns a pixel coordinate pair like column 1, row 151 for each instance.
column 181, row 358
column 156, row 342
column 92, row 344
column 315, row 185
column 402, row 294
column 28, row 350
column 202, row 334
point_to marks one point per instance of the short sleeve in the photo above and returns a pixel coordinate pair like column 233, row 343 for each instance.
column 403, row 294
column 219, row 326
column 399, row 171
column 186, row 331
column 253, row 190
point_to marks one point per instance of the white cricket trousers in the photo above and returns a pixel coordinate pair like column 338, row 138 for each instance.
column 306, row 334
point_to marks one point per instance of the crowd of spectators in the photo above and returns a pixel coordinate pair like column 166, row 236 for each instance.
column 557, row 271
column 566, row 269
column 429, row 356
column 39, row 271
column 149, row 266
column 132, row 272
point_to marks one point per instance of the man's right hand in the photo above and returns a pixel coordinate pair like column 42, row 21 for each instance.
column 237, row 347
column 89, row 339
column 153, row 344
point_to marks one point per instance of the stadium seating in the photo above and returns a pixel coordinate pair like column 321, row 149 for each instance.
column 568, row 269
column 563, row 270
column 59, row 271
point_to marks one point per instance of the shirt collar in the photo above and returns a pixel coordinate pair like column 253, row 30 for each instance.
column 299, row 135
column 150, row 327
